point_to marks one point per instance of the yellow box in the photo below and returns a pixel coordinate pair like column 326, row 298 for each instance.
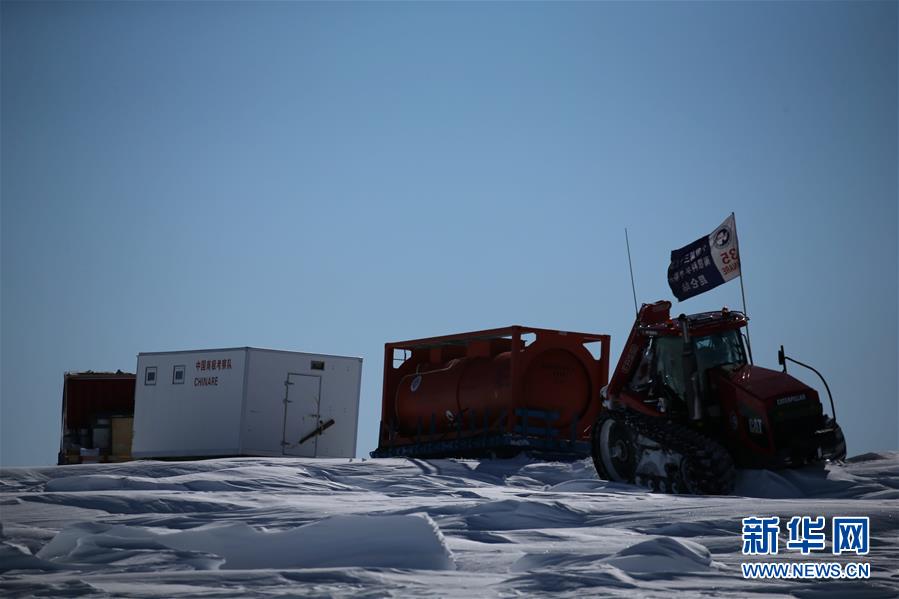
column 122, row 433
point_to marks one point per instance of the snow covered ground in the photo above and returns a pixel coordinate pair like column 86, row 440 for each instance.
column 443, row 528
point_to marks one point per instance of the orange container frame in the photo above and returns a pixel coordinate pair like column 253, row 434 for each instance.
column 492, row 392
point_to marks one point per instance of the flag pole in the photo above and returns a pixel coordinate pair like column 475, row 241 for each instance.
column 631, row 267
column 743, row 293
column 742, row 289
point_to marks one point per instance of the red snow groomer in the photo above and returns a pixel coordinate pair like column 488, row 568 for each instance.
column 685, row 406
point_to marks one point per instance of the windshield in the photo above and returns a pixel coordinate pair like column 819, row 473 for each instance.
column 719, row 349
column 662, row 362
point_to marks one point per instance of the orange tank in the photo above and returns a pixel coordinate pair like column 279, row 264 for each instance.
column 455, row 394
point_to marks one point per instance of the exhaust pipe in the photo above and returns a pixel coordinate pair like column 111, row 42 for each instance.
column 694, row 400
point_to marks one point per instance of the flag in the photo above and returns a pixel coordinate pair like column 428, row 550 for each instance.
column 705, row 263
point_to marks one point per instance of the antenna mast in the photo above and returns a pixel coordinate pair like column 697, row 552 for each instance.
column 631, row 266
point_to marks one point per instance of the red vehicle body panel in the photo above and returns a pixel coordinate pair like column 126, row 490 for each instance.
column 763, row 382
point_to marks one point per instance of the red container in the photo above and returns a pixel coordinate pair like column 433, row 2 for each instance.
column 513, row 381
column 87, row 396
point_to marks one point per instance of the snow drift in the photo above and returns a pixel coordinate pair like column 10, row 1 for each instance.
column 449, row 528
column 364, row 541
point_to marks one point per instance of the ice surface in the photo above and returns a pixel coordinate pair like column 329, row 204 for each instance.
column 18, row 557
column 663, row 555
column 442, row 528
column 364, row 541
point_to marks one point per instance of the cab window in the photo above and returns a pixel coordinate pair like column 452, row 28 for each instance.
column 669, row 364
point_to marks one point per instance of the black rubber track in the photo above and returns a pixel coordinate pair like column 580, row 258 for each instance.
column 706, row 467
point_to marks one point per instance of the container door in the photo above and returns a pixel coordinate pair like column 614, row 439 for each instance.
column 302, row 399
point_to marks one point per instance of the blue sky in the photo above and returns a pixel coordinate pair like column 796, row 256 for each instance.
column 330, row 177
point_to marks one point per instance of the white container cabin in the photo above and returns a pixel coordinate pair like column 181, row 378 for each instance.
column 245, row 402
